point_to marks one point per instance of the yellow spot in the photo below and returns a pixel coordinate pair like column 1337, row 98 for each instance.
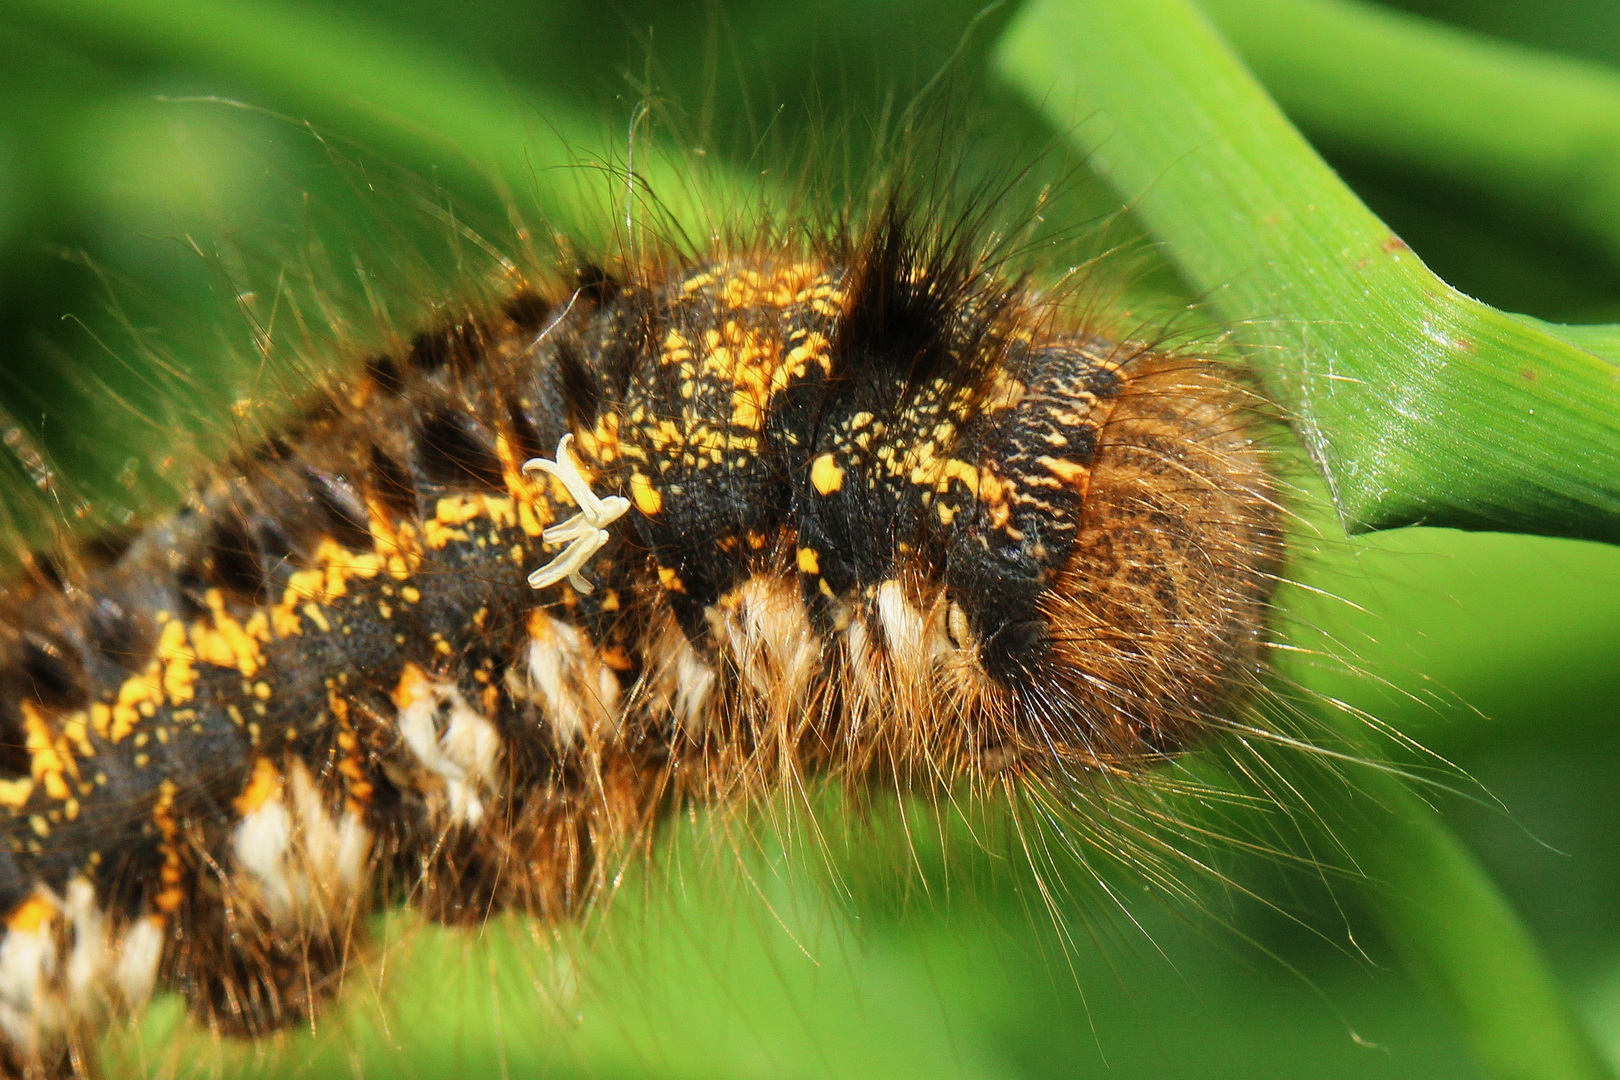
column 413, row 686
column 646, row 497
column 48, row 755
column 669, row 579
column 137, row 695
column 826, row 475
column 438, row 535
column 809, row 561
column 229, row 643
column 411, row 594
column 32, row 915
column 1067, row 471
column 395, row 545
column 169, row 874
column 610, row 601
column 458, row 509
column 961, row 470
column 14, row 793
column 75, row 732
column 262, row 786
column 286, row 622
column 177, row 656
column 261, row 690
column 991, row 487
column 314, row 614
column 533, row 509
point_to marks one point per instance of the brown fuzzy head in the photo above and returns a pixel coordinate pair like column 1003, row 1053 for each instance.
column 908, row 517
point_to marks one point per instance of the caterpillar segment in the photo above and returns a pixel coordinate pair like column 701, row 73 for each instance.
column 672, row 533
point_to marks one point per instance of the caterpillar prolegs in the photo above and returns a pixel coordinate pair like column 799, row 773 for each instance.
column 651, row 532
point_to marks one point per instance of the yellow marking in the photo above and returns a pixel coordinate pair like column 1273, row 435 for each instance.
column 601, row 443
column 458, row 509
column 826, row 589
column 314, row 614
column 610, row 600
column 1067, row 471
column 534, row 509
column 358, row 789
column 32, row 915
column 955, row 469
column 414, row 684
column 646, row 497
column 809, row 561
column 137, row 695
column 334, row 566
column 396, row 544
column 669, row 579
column 286, row 622
column 14, row 793
column 263, row 785
column 177, row 656
column 49, row 759
column 262, row 691
column 455, row 510
column 826, row 475
column 411, row 594
column 438, row 536
column 171, row 896
column 74, row 730
column 224, row 642
column 815, row 348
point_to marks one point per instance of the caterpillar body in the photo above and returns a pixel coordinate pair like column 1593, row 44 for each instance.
column 667, row 530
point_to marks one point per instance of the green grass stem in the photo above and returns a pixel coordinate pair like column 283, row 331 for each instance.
column 1420, row 404
column 1539, row 130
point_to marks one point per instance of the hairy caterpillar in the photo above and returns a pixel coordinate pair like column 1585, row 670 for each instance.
column 650, row 532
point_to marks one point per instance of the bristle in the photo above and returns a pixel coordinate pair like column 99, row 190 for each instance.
column 654, row 533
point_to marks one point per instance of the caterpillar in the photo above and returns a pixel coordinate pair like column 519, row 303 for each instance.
column 663, row 530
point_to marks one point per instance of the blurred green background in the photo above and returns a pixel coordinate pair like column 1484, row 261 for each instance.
column 146, row 181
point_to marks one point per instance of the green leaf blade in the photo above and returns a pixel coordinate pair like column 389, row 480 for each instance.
column 1421, row 405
